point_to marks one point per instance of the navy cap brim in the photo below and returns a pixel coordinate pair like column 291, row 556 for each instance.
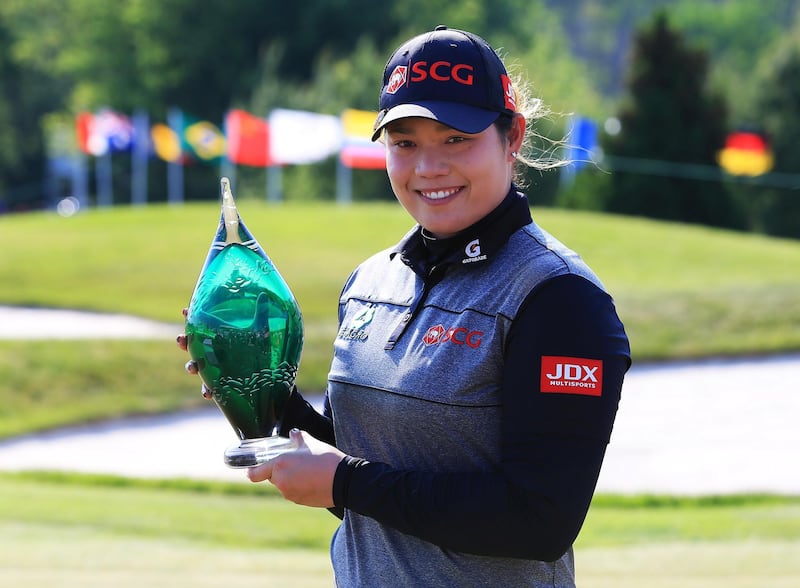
column 462, row 117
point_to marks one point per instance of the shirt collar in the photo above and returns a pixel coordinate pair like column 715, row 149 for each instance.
column 473, row 246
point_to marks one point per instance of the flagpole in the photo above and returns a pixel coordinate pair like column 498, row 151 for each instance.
column 80, row 180
column 175, row 169
column 273, row 172
column 102, row 169
column 344, row 183
column 139, row 153
column 274, row 183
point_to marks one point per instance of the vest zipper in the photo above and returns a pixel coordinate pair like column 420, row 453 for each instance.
column 435, row 274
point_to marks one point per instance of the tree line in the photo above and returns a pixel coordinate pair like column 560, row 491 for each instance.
column 678, row 76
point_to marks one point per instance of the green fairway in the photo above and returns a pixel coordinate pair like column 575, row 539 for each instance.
column 84, row 531
column 682, row 291
column 673, row 283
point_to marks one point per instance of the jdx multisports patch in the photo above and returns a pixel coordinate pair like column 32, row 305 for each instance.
column 571, row 375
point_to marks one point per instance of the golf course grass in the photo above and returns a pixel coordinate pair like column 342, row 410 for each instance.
column 682, row 291
column 83, row 531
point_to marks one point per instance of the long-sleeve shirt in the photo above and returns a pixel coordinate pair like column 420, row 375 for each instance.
column 474, row 386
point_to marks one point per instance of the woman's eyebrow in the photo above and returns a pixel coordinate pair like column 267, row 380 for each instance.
column 398, row 128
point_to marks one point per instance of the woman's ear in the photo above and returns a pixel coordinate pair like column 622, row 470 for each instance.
column 516, row 133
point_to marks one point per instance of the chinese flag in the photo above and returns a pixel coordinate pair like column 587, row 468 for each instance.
column 248, row 138
column 84, row 124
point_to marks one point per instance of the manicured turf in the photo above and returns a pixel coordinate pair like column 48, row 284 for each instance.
column 78, row 531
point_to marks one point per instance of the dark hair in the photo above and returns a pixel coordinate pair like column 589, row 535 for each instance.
column 503, row 123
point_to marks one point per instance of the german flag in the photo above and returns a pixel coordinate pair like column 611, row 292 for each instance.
column 746, row 153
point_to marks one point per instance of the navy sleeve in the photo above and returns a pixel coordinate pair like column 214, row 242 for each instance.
column 554, row 433
column 298, row 413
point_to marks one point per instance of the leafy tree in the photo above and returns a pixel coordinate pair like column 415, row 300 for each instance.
column 778, row 108
column 9, row 156
column 418, row 16
column 160, row 53
column 600, row 34
column 24, row 95
column 735, row 34
column 670, row 118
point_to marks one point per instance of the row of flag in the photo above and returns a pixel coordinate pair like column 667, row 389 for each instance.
column 284, row 137
column 301, row 137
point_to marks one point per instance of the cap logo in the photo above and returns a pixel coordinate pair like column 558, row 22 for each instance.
column 442, row 71
column 508, row 93
column 397, row 80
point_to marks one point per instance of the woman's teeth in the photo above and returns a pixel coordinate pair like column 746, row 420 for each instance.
column 438, row 194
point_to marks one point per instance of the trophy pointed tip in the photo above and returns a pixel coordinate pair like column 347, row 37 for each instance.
column 230, row 214
column 225, row 187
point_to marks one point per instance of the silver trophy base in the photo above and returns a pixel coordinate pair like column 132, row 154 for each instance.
column 253, row 452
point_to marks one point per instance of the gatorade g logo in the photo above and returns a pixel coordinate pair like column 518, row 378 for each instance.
column 397, row 80
column 473, row 248
column 473, row 252
column 571, row 375
column 456, row 335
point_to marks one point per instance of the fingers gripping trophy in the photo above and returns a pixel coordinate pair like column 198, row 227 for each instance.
column 244, row 330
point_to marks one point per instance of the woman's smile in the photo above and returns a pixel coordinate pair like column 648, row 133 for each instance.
column 440, row 194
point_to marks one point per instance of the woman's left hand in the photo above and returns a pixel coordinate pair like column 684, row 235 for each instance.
column 304, row 475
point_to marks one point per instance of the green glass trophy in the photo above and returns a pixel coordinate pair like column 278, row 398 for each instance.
column 245, row 332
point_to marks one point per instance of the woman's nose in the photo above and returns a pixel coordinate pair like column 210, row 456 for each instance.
column 431, row 162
